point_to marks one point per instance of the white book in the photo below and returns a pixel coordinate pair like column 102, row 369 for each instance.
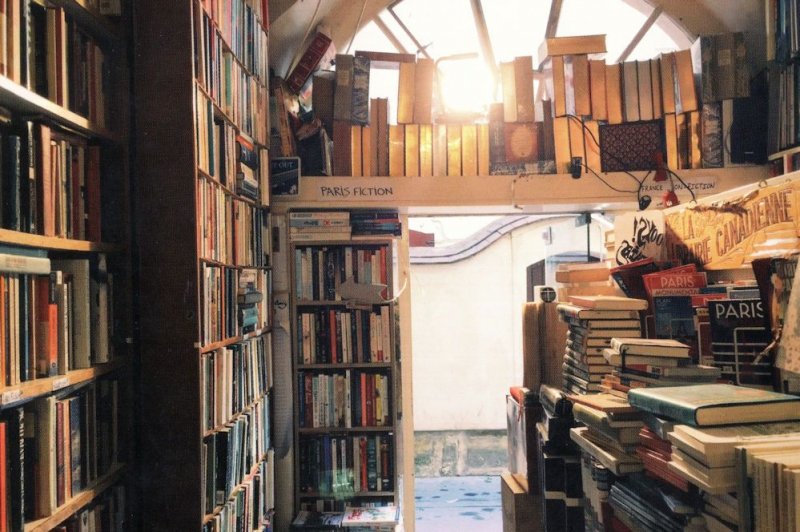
column 12, row 263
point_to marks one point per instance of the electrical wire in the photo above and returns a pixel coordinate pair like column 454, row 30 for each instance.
column 682, row 182
column 609, row 185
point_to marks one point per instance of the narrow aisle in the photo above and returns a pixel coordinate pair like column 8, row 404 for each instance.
column 470, row 503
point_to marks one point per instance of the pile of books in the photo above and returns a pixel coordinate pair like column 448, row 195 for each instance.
column 592, row 322
column 319, row 225
column 353, row 518
column 649, row 362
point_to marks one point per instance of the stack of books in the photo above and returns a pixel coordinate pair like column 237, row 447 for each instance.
column 319, row 225
column 649, row 362
column 644, row 504
column 656, row 453
column 375, row 222
column 597, row 481
column 559, row 463
column 592, row 322
column 608, row 434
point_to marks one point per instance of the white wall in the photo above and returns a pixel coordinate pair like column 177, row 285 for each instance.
column 467, row 326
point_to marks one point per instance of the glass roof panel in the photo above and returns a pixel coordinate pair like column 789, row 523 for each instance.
column 618, row 20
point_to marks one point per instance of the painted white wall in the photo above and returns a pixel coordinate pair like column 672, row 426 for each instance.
column 467, row 326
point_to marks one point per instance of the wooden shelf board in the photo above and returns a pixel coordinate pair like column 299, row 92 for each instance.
column 783, row 153
column 545, row 193
column 28, row 390
column 342, row 430
column 77, row 502
column 250, row 405
column 21, row 99
column 234, row 340
column 345, row 365
column 8, row 236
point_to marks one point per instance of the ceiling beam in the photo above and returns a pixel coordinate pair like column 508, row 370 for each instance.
column 389, row 34
column 640, row 34
column 552, row 20
column 484, row 39
column 397, row 19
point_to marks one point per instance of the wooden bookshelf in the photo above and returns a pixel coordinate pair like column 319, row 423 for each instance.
column 176, row 106
column 83, row 238
column 363, row 430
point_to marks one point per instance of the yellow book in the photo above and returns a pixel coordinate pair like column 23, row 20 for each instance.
column 405, row 93
column 630, row 91
column 425, row 150
column 483, row 149
column 685, row 75
column 453, row 150
column 439, row 150
column 355, row 150
column 671, row 140
column 655, row 82
column 368, row 153
column 667, row 68
column 614, row 93
column 559, row 87
column 645, row 90
column 412, row 149
column 373, row 135
column 423, row 91
column 509, row 91
column 580, row 84
column 469, row 150
column 397, row 151
column 695, row 153
column 576, row 133
column 682, row 128
column 597, row 89
column 578, row 44
column 562, row 146
column 523, row 83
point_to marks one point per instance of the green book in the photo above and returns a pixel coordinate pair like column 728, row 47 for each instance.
column 716, row 404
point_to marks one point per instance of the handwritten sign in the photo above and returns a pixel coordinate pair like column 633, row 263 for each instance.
column 354, row 192
column 764, row 222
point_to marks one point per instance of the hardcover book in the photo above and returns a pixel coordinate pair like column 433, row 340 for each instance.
column 716, row 404
column 608, row 302
column 739, row 335
column 631, row 146
column 370, row 516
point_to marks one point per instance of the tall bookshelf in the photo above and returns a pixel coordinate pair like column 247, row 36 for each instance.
column 65, row 279
column 204, row 274
column 346, row 372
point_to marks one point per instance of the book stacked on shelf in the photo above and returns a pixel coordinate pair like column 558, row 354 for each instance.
column 650, row 362
column 375, row 223
column 642, row 503
column 656, row 453
column 381, row 518
column 312, row 521
column 670, row 294
column 319, row 225
column 590, row 330
column 559, row 466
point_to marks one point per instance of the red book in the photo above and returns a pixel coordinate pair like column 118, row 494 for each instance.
column 369, row 393
column 308, row 62
column 3, row 298
column 648, row 439
column 3, row 482
column 46, row 328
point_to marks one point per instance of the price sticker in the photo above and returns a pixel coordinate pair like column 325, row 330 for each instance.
column 60, row 382
column 10, row 396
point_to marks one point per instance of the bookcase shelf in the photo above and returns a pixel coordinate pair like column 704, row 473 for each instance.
column 210, row 384
column 11, row 396
column 77, row 502
column 25, row 101
column 91, row 19
column 55, row 243
column 357, row 391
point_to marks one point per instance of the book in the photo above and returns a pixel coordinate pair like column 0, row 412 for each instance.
column 605, row 403
column 608, row 302
column 574, row 311
column 582, row 272
column 614, row 357
column 370, row 516
column 312, row 520
column 614, row 460
column 653, row 347
column 716, row 404
column 739, row 335
column 308, row 62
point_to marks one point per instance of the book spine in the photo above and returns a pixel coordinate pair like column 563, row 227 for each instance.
column 671, row 410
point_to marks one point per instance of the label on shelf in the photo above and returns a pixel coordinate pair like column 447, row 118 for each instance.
column 11, row 396
column 61, row 382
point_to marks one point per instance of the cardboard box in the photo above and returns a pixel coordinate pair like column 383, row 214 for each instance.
column 521, row 511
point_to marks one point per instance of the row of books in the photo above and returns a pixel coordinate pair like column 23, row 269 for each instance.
column 47, row 52
column 344, row 400
column 784, row 105
column 321, row 270
column 54, row 320
column 232, row 230
column 54, row 448
column 237, row 27
column 344, row 466
column 50, row 182
column 783, row 37
column 234, row 377
column 233, row 453
column 334, row 336
column 107, row 512
column 228, row 300
column 250, row 505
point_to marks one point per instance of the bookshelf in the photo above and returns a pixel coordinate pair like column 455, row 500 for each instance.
column 204, row 266
column 346, row 369
column 66, row 323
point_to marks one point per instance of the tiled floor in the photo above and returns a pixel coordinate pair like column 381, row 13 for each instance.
column 458, row 504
